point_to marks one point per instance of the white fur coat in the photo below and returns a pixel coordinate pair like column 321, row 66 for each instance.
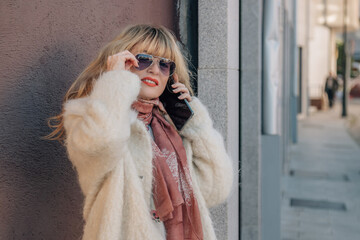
column 111, row 151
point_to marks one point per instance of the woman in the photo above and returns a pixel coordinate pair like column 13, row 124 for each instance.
column 141, row 178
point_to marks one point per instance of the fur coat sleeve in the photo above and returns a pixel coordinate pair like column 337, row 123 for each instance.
column 210, row 161
column 99, row 123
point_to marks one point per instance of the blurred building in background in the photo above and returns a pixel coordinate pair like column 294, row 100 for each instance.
column 319, row 39
column 268, row 115
column 288, row 48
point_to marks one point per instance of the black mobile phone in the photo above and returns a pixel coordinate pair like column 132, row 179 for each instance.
column 179, row 110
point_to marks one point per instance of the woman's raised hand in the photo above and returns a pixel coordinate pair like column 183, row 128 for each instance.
column 180, row 88
column 121, row 61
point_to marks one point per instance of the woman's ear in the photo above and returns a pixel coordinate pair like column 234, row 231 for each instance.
column 169, row 83
column 175, row 77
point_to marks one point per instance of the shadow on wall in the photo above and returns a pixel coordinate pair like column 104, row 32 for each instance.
column 39, row 194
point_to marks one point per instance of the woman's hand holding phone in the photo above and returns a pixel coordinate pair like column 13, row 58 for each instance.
column 121, row 61
column 176, row 98
column 178, row 87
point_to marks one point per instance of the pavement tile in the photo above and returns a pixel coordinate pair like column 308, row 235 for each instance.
column 317, row 236
column 290, row 234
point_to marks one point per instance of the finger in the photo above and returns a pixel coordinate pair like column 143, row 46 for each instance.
column 130, row 58
column 183, row 90
column 185, row 96
column 129, row 63
column 134, row 61
column 178, row 84
column 126, row 55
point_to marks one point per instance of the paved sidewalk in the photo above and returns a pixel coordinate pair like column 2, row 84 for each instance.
column 321, row 187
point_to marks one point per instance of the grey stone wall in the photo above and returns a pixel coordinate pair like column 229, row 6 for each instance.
column 218, row 88
column 250, row 151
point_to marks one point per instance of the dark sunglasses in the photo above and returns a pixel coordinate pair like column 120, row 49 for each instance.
column 167, row 67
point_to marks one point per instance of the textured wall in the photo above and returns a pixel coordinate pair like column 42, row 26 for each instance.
column 43, row 47
column 250, row 151
column 218, row 87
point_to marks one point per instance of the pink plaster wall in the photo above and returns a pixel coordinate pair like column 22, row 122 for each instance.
column 44, row 45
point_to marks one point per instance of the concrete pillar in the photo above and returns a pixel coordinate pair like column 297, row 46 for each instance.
column 251, row 67
column 218, row 88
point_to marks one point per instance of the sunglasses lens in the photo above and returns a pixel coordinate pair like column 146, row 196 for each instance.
column 167, row 67
column 144, row 61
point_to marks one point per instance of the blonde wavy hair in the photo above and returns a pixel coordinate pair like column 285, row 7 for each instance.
column 155, row 40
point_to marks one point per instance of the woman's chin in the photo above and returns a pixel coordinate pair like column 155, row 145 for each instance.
column 148, row 96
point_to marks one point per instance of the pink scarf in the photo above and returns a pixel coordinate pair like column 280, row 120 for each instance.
column 174, row 198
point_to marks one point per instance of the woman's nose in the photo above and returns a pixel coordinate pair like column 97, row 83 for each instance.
column 154, row 68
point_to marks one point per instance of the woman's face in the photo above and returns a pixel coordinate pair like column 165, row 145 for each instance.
column 153, row 81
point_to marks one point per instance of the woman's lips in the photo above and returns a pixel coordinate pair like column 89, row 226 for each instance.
column 152, row 82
